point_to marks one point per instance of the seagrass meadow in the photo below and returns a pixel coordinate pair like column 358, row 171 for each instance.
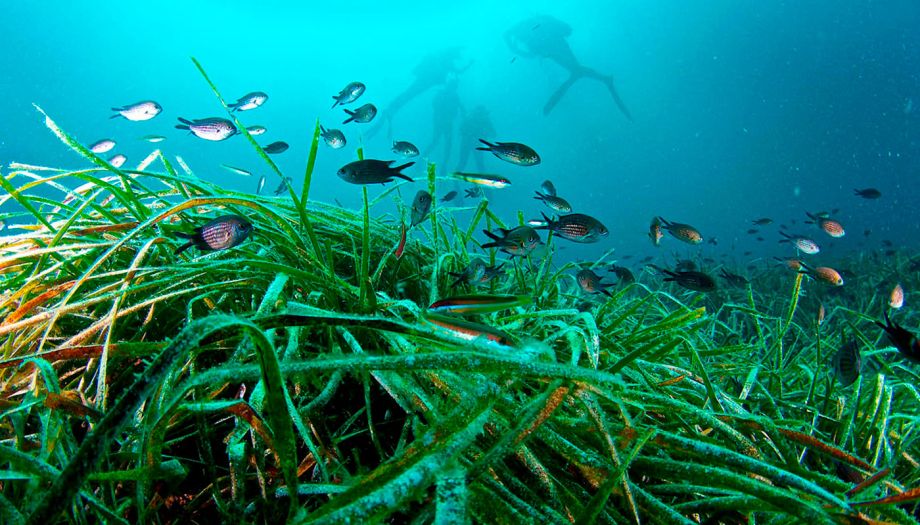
column 298, row 377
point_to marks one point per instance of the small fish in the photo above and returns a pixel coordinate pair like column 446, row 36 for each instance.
column 576, row 227
column 624, row 275
column 518, row 241
column 734, row 279
column 421, row 205
column 691, row 280
column 102, row 146
column 793, row 264
column 118, row 160
column 362, row 115
column 213, row 129
column 256, row 130
column 484, row 179
column 868, row 193
column 468, row 330
column 478, row 304
column 153, row 139
column 513, row 152
column 334, row 138
column 349, row 93
column 238, row 171
column 591, row 282
column 548, row 188
column 763, row 221
column 803, row 244
column 140, row 111
column 401, row 245
column 847, row 363
column 824, row 274
column 276, row 147
column 469, row 275
column 906, row 342
column 896, row 299
column 283, row 187
column 371, row 171
column 557, row 204
column 683, row 232
column 406, row 149
column 654, row 232
column 828, row 225
column 260, row 185
column 821, row 313
column 221, row 233
column 249, row 101
column 449, row 196
column 472, row 193
column 753, row 231
column 713, row 241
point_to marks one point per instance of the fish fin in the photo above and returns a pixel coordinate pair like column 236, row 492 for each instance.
column 184, row 247
column 336, row 103
column 540, row 196
column 321, row 128
column 116, row 115
column 351, row 116
column 119, row 109
column 492, row 235
column 183, row 126
column 185, row 121
column 397, row 169
column 664, row 222
column 183, row 235
column 489, row 144
column 606, row 291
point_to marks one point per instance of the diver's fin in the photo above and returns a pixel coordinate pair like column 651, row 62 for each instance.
column 559, row 93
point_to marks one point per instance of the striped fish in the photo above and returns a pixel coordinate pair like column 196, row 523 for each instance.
column 213, row 129
column 576, row 227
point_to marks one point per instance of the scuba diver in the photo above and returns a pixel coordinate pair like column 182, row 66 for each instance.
column 445, row 107
column 434, row 70
column 543, row 36
column 475, row 125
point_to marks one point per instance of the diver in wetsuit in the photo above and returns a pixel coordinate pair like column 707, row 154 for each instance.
column 543, row 36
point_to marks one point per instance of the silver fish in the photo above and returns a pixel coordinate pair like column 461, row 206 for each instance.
column 234, row 169
column 548, row 188
column 153, row 138
column 334, row 138
column 404, row 148
column 213, row 129
column 513, row 152
column 421, row 205
column 256, row 130
column 285, row 184
column 249, row 101
column 555, row 203
column 118, row 160
column 276, row 147
column 349, row 93
column 362, row 115
column 102, row 146
column 218, row 234
column 139, row 111
column 261, row 185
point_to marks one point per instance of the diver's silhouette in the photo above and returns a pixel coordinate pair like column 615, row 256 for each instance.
column 445, row 107
column 545, row 37
column 475, row 125
column 434, row 70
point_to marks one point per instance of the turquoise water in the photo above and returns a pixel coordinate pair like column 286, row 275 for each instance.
column 741, row 109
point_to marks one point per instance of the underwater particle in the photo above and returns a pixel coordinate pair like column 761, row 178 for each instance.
column 483, row 179
column 654, row 232
column 896, row 299
column 421, row 205
column 213, row 129
column 681, row 231
column 847, row 362
column 153, row 139
column 221, row 233
column 405, row 149
column 260, row 185
column 102, row 146
column 516, row 242
column 826, row 224
column 139, row 111
column 576, row 227
column 803, row 244
column 590, row 282
column 906, row 342
column 362, row 115
column 372, row 171
column 333, row 138
column 276, row 147
column 256, row 130
column 557, row 204
column 513, row 152
column 867, row 193
column 478, row 304
column 548, row 187
column 249, row 101
column 349, row 93
column 118, row 160
column 449, row 196
column 234, row 169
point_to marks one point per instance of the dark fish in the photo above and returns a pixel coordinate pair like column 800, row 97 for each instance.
column 283, row 187
column 734, row 279
column 576, row 227
column 683, row 232
column 371, row 171
column 886, row 243
column 713, row 241
column 867, row 232
column 763, row 221
column 334, row 138
column 362, row 115
column 555, row 203
column 591, row 282
column 692, row 280
column 213, row 129
column 421, row 205
column 868, row 193
column 478, row 304
column 519, row 241
column 249, row 101
column 760, row 239
column 513, row 152
column 276, row 147
column 221, row 233
column 139, row 111
column 906, row 342
column 753, row 231
column 473, row 192
column 548, row 188
column 847, row 363
column 349, row 93
column 449, row 196
column 624, row 275
column 404, row 148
